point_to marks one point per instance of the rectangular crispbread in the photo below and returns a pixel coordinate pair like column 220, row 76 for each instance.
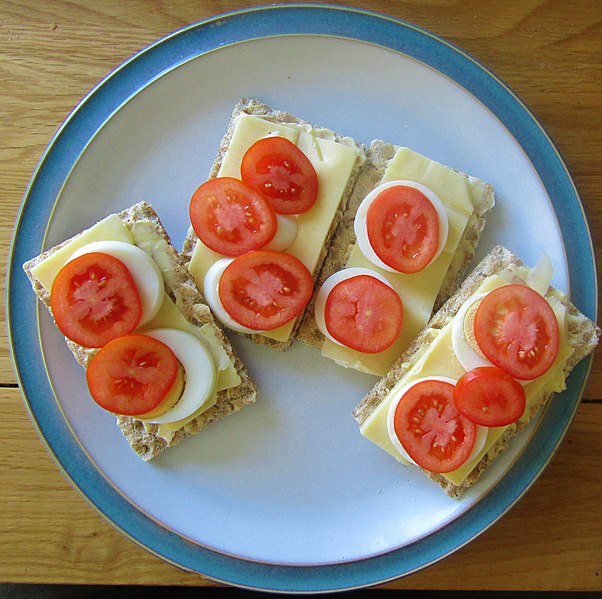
column 183, row 291
column 583, row 337
column 259, row 109
column 378, row 156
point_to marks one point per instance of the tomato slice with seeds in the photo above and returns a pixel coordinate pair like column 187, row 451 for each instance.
column 517, row 331
column 431, row 429
column 132, row 375
column 277, row 168
column 94, row 299
column 230, row 217
column 364, row 313
column 489, row 396
column 403, row 228
column 264, row 290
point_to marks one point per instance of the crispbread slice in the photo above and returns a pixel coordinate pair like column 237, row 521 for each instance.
column 378, row 156
column 583, row 337
column 183, row 291
column 257, row 108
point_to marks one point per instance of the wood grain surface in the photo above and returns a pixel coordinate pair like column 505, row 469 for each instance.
column 53, row 51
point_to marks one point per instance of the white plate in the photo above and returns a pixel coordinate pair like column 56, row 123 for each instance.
column 287, row 495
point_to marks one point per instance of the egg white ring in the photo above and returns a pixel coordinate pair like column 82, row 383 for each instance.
column 329, row 284
column 144, row 270
column 361, row 228
column 200, row 369
column 288, row 227
column 481, row 431
column 211, row 293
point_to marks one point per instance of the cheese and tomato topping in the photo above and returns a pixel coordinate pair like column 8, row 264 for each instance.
column 489, row 396
column 428, row 430
column 94, row 299
column 303, row 172
column 258, row 290
column 401, row 226
column 464, row 341
column 135, row 375
column 161, row 376
column 516, row 329
column 358, row 308
column 275, row 167
column 144, row 270
column 201, row 374
column 530, row 337
column 231, row 218
column 104, row 285
column 418, row 291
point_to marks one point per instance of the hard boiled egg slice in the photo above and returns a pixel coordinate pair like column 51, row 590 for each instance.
column 464, row 343
column 285, row 234
column 331, row 282
column 361, row 228
column 199, row 371
column 481, row 431
column 211, row 292
column 144, row 270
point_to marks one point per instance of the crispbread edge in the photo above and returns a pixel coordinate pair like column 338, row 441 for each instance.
column 583, row 336
column 378, row 156
column 183, row 291
column 257, row 108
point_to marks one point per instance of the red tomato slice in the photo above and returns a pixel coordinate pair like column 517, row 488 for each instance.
column 132, row 375
column 277, row 168
column 263, row 290
column 403, row 228
column 95, row 299
column 230, row 217
column 490, row 397
column 364, row 314
column 430, row 428
column 517, row 330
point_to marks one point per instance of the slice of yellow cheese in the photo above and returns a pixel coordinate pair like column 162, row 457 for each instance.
column 438, row 359
column 112, row 228
column 418, row 291
column 333, row 161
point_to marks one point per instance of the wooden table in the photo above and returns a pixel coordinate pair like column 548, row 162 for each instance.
column 53, row 52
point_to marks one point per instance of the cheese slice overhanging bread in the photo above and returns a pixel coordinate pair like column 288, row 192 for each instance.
column 194, row 252
column 147, row 232
column 578, row 340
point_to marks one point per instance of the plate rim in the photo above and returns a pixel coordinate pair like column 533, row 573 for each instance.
column 353, row 24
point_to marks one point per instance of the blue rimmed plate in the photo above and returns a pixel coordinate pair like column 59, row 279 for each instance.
column 286, row 495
